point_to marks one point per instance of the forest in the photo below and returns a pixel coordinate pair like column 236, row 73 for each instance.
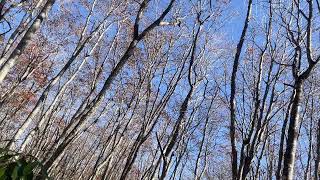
column 160, row 89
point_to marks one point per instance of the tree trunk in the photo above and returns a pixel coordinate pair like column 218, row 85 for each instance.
column 289, row 157
column 317, row 160
column 232, row 132
column 26, row 39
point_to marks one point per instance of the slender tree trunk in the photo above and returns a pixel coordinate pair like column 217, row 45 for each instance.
column 289, row 156
column 26, row 39
column 317, row 159
column 234, row 156
column 281, row 146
